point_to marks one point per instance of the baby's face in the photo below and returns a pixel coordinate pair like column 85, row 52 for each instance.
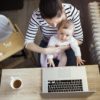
column 63, row 34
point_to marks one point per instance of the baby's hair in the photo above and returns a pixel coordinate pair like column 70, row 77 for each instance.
column 67, row 25
column 64, row 24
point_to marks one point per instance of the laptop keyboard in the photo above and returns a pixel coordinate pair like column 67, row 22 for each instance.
column 65, row 85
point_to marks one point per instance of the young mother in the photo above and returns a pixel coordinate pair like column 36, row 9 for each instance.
column 49, row 14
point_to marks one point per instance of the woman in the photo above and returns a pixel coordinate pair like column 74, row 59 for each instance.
column 47, row 17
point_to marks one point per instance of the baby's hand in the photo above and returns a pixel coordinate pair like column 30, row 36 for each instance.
column 51, row 63
column 79, row 61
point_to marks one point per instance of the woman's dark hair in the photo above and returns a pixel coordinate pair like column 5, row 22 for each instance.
column 50, row 8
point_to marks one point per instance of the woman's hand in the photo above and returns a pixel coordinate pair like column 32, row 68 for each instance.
column 64, row 47
column 53, row 49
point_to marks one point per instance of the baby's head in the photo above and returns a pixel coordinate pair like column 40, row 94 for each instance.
column 65, row 30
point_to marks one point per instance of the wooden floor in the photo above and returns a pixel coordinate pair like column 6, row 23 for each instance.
column 18, row 62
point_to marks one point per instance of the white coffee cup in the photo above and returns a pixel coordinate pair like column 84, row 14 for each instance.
column 15, row 82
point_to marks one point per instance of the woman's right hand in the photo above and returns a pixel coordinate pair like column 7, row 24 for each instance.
column 52, row 50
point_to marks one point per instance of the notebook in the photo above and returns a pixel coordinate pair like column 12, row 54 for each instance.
column 65, row 82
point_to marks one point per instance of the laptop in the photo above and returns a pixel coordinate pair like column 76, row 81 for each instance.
column 65, row 82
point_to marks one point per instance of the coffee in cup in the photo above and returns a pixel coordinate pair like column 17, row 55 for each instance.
column 15, row 83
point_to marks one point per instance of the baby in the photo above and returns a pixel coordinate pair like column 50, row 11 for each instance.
column 64, row 37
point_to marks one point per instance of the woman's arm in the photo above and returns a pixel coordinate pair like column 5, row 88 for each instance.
column 49, row 50
column 78, row 32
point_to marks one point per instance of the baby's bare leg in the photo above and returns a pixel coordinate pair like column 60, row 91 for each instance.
column 62, row 59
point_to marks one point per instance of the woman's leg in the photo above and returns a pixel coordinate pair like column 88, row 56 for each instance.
column 71, row 59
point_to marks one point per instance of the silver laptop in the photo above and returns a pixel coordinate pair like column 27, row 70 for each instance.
column 65, row 82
